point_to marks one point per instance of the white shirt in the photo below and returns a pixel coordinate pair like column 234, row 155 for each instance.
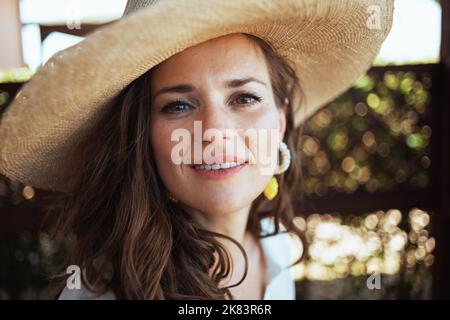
column 277, row 249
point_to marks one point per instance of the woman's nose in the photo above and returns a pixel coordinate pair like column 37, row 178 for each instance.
column 217, row 119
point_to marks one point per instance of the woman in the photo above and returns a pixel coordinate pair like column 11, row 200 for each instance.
column 156, row 208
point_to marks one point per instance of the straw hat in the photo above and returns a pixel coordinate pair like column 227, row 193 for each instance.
column 332, row 43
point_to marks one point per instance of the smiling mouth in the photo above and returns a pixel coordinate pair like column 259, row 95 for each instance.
column 218, row 171
column 217, row 166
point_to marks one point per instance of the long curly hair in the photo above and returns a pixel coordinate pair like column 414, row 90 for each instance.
column 128, row 237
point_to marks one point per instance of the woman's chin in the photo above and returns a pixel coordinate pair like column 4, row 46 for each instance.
column 217, row 204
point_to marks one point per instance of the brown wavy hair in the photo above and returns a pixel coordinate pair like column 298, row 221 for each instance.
column 128, row 237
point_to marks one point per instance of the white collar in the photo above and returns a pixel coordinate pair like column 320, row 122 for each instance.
column 275, row 250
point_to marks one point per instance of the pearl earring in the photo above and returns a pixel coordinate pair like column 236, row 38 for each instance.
column 285, row 158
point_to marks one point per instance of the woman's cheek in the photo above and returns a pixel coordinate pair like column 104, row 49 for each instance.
column 265, row 145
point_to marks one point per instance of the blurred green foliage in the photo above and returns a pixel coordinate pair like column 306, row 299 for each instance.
column 15, row 75
column 4, row 99
column 374, row 137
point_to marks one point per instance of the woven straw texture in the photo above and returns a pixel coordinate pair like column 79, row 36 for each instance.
column 43, row 129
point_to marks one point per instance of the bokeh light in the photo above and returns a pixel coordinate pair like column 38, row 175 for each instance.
column 359, row 246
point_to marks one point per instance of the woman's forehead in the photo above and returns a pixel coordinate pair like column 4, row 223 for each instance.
column 230, row 56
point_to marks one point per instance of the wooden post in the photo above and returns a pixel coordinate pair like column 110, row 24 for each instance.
column 440, row 144
column 10, row 35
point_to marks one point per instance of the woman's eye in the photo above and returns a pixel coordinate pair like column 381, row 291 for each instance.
column 176, row 107
column 247, row 99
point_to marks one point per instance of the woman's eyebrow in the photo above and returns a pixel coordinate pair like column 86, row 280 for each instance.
column 181, row 88
column 233, row 83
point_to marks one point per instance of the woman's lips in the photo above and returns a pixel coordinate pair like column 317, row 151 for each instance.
column 219, row 174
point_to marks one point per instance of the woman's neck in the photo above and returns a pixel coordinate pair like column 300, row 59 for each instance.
column 232, row 224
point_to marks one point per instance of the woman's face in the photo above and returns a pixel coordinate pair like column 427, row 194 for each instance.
column 223, row 85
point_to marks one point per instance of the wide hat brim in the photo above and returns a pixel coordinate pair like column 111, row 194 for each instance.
column 331, row 43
